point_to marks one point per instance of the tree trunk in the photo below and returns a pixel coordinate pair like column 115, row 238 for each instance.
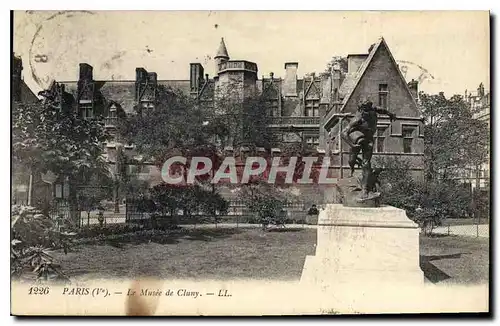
column 30, row 187
column 116, row 198
column 478, row 184
column 72, row 200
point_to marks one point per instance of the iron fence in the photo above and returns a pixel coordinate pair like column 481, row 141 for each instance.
column 471, row 227
column 238, row 215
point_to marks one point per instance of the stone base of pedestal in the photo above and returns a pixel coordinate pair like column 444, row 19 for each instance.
column 369, row 247
column 312, row 219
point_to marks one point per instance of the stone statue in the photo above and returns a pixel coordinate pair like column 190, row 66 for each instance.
column 359, row 135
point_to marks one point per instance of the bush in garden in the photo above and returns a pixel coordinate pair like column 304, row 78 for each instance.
column 481, row 199
column 213, row 204
column 34, row 235
column 266, row 202
column 426, row 202
column 166, row 200
column 95, row 230
column 439, row 199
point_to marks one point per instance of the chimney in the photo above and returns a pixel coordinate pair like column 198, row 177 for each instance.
column 152, row 78
column 336, row 82
column 86, row 71
column 354, row 61
column 480, row 90
column 196, row 76
column 413, row 86
column 326, row 83
column 140, row 74
column 140, row 77
column 290, row 81
column 17, row 68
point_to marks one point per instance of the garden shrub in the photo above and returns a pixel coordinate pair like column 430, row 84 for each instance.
column 34, row 236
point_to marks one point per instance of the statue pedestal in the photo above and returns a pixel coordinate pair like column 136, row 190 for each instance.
column 367, row 247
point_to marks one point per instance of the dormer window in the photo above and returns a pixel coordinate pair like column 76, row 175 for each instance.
column 86, row 109
column 312, row 108
column 112, row 111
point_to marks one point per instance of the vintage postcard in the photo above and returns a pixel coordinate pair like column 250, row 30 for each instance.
column 249, row 163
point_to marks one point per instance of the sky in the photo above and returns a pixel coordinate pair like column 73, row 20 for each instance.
column 450, row 49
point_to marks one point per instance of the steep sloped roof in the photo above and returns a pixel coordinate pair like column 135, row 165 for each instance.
column 347, row 85
column 222, row 51
column 353, row 82
column 123, row 91
column 27, row 95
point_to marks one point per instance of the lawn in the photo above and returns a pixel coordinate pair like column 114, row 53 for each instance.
column 199, row 253
column 455, row 259
column 250, row 253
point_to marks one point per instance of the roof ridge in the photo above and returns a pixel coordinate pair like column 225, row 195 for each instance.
column 359, row 75
column 123, row 80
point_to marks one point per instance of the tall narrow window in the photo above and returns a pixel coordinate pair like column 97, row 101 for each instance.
column 383, row 92
column 274, row 110
column 132, row 169
column 312, row 108
column 312, row 141
column 86, row 109
column 380, row 139
column 336, row 145
column 408, row 134
column 111, row 119
column 112, row 112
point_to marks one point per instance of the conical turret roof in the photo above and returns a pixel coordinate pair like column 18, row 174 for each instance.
column 222, row 52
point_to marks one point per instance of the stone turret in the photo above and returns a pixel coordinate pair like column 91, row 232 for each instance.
column 221, row 56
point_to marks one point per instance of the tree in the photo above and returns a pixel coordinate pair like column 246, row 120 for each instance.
column 174, row 126
column 398, row 185
column 93, row 191
column 244, row 121
column 454, row 140
column 45, row 138
column 337, row 62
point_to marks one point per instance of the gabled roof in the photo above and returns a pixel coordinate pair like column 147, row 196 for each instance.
column 222, row 52
column 353, row 80
column 123, row 91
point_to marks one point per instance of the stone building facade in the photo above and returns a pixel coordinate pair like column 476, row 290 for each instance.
column 310, row 109
column 376, row 76
column 479, row 177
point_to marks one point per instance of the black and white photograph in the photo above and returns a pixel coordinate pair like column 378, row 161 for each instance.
column 249, row 163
